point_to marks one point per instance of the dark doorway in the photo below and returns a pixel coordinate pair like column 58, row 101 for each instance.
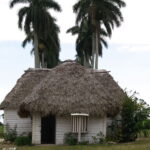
column 48, row 125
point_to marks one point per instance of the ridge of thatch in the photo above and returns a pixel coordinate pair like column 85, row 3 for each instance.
column 72, row 88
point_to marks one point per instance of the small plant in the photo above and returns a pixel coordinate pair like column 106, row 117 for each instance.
column 11, row 134
column 1, row 131
column 83, row 143
column 99, row 138
column 23, row 140
column 114, row 131
column 70, row 139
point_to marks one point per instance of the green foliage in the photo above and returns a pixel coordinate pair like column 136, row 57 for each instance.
column 114, row 130
column 101, row 17
column 99, row 138
column 70, row 139
column 83, row 143
column 11, row 134
column 1, row 131
column 23, row 140
column 84, row 41
column 134, row 113
column 41, row 29
column 145, row 128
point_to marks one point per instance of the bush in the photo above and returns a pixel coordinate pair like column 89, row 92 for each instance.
column 11, row 134
column 114, row 130
column 99, row 138
column 1, row 131
column 23, row 140
column 134, row 113
column 84, row 143
column 70, row 139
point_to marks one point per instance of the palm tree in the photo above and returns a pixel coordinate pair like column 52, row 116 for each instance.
column 101, row 13
column 48, row 48
column 84, row 42
column 36, row 19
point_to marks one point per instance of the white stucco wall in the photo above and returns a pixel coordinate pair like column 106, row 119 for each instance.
column 23, row 125
column 63, row 125
column 95, row 125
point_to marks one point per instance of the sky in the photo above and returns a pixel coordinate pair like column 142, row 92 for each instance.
column 127, row 58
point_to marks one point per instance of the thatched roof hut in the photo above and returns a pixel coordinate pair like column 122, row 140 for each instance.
column 65, row 89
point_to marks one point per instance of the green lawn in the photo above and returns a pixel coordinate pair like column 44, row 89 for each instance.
column 143, row 144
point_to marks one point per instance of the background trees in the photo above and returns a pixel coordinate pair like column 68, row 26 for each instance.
column 38, row 22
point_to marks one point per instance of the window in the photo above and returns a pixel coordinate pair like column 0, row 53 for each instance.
column 79, row 122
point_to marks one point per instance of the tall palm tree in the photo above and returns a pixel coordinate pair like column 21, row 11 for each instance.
column 36, row 18
column 48, row 48
column 84, row 41
column 101, row 13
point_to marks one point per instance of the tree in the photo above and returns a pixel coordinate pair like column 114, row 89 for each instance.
column 48, row 48
column 101, row 13
column 36, row 19
column 135, row 112
column 84, row 41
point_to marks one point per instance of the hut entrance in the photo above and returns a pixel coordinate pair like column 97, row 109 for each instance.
column 48, row 125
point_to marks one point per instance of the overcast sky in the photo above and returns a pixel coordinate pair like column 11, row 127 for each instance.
column 128, row 55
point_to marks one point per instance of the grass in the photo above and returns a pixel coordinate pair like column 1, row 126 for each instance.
column 142, row 144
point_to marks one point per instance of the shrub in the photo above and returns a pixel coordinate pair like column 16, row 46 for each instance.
column 1, row 131
column 84, row 143
column 114, row 130
column 11, row 134
column 99, row 138
column 23, row 140
column 134, row 113
column 70, row 139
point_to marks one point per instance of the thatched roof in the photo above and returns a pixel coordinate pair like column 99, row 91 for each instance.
column 65, row 89
column 23, row 88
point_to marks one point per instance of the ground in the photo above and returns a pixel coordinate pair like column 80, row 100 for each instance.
column 142, row 144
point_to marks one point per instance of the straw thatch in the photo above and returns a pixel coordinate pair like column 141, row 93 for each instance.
column 23, row 88
column 65, row 89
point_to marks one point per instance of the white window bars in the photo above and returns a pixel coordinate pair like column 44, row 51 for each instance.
column 79, row 123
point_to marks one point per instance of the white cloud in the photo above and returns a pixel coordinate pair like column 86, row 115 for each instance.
column 134, row 48
column 135, row 28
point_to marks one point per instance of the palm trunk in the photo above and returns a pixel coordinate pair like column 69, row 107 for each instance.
column 93, row 50
column 86, row 61
column 36, row 51
column 93, row 35
column 42, row 61
column 97, row 47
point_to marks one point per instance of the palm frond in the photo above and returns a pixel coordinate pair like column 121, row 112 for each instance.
column 14, row 2
column 50, row 4
column 21, row 14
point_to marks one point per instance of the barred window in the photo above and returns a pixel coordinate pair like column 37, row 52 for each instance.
column 79, row 123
